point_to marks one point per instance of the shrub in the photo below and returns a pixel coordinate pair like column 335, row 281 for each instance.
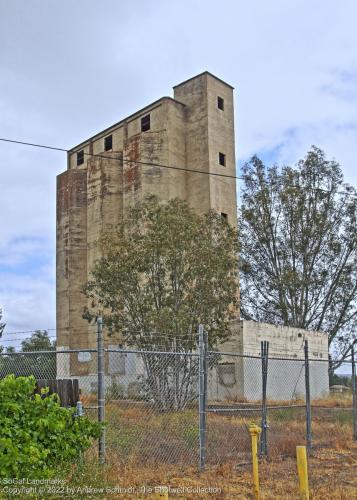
column 36, row 433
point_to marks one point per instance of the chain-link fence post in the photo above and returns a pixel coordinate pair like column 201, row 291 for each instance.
column 101, row 388
column 307, row 398
column 202, row 396
column 205, row 369
column 354, row 396
column 264, row 437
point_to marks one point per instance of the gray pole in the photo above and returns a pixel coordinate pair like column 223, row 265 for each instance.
column 101, row 388
column 205, row 367
column 354, row 396
column 201, row 396
column 308, row 400
column 264, row 437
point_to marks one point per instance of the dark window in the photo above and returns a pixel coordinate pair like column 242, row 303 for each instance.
column 224, row 216
column 80, row 157
column 220, row 103
column 227, row 374
column 222, row 159
column 108, row 143
column 145, row 123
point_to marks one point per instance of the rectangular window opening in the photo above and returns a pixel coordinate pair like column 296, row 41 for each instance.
column 145, row 123
column 108, row 143
column 224, row 216
column 80, row 157
column 222, row 159
column 220, row 103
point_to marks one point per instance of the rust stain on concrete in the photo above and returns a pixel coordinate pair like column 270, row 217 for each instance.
column 131, row 168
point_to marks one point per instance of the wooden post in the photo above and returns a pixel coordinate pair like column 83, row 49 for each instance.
column 302, row 472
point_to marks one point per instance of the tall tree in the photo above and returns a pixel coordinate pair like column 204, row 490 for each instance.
column 42, row 364
column 39, row 341
column 163, row 272
column 2, row 325
column 298, row 260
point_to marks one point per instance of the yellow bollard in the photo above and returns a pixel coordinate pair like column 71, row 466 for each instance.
column 254, row 432
column 302, row 471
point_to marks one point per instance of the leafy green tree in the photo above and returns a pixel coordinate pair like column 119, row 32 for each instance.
column 299, row 259
column 2, row 325
column 164, row 271
column 39, row 341
column 37, row 435
column 340, row 380
column 41, row 365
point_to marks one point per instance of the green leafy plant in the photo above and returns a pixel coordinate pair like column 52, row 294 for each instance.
column 115, row 391
column 162, row 272
column 37, row 435
column 298, row 230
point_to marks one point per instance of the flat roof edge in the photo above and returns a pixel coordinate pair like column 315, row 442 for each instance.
column 117, row 124
column 201, row 74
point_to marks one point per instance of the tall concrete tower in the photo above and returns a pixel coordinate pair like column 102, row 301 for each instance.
column 193, row 130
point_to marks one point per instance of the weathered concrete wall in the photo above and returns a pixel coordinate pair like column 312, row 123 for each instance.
column 284, row 341
column 286, row 377
column 71, row 270
column 221, row 139
column 193, row 94
column 188, row 131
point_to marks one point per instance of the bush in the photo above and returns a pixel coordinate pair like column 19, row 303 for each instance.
column 36, row 433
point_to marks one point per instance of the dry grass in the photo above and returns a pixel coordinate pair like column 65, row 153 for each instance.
column 332, row 475
column 138, row 436
column 147, row 449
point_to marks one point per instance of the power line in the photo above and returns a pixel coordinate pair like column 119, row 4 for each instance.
column 34, row 145
column 124, row 160
column 159, row 165
column 22, row 339
column 30, row 331
column 41, row 330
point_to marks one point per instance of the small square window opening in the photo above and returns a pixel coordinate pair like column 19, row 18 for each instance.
column 108, row 143
column 145, row 123
column 80, row 157
column 222, row 159
column 220, row 103
column 224, row 216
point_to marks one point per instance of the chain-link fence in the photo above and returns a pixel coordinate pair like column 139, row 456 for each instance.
column 190, row 408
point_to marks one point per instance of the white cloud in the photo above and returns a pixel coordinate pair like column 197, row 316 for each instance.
column 69, row 69
column 28, row 303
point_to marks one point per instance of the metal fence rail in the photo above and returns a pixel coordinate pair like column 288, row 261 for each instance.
column 193, row 408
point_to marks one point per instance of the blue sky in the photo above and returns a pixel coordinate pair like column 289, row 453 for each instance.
column 70, row 69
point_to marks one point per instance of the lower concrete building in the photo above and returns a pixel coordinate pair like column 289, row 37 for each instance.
column 235, row 373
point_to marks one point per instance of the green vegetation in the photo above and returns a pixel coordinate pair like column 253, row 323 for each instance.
column 40, row 365
column 2, row 325
column 163, row 271
column 336, row 379
column 37, row 435
column 299, row 248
